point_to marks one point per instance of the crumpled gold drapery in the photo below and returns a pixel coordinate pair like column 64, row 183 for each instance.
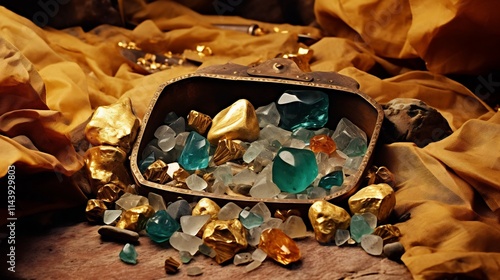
column 51, row 81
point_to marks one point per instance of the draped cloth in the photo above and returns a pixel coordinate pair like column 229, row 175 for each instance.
column 52, row 80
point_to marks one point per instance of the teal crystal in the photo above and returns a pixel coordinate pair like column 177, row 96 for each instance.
column 303, row 108
column 195, row 154
column 359, row 227
column 294, row 169
column 128, row 254
column 143, row 164
column 161, row 226
column 350, row 139
column 249, row 219
column 335, row 178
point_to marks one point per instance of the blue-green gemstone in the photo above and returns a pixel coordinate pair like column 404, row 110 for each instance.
column 128, row 254
column 195, row 154
column 303, row 108
column 143, row 164
column 335, row 178
column 161, row 226
column 294, row 169
column 359, row 227
column 250, row 219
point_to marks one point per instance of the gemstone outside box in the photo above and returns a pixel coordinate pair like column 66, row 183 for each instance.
column 211, row 89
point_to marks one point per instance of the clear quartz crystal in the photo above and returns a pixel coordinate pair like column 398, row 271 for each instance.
column 179, row 125
column 129, row 200
column 271, row 133
column 242, row 258
column 224, row 174
column 268, row 115
column 294, row 227
column 259, row 255
column 272, row 223
column 192, row 224
column 264, row 190
column 245, row 177
column 164, row 131
column 111, row 216
column 316, row 192
column 229, row 211
column 342, row 236
column 253, row 151
column 262, row 210
column 195, row 183
column 156, row 201
column 185, row 242
column 371, row 219
column 166, row 144
column 372, row 244
column 252, row 266
column 253, row 236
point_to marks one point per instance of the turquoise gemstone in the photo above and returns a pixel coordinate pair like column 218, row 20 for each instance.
column 250, row 219
column 303, row 108
column 195, row 154
column 161, row 226
column 335, row 178
column 359, row 227
column 294, row 169
column 143, row 164
column 128, row 254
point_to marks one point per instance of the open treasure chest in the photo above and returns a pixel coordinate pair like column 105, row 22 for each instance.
column 347, row 113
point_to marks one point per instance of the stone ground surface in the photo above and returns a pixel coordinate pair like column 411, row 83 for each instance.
column 76, row 251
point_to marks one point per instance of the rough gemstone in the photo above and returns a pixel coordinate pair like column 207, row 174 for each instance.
column 278, row 246
column 192, row 224
column 184, row 242
column 178, row 209
column 253, row 151
column 370, row 219
column 359, row 227
column 129, row 200
column 238, row 121
column 316, row 192
column 249, row 219
column 195, row 154
column 294, row 227
column 273, row 133
column 242, row 258
column 372, row 244
column 179, row 125
column 377, row 199
column 347, row 132
column 135, row 218
column 170, row 117
column 322, row 143
column 303, row 108
column 143, row 164
column 253, row 236
column 226, row 237
column 272, row 223
column 326, row 218
column 195, row 183
column 161, row 226
column 335, row 178
column 128, row 254
column 110, row 216
column 259, row 255
column 223, row 173
column 164, row 131
column 266, row 189
column 342, row 236
column 294, row 169
column 268, row 115
column 229, row 211
column 156, row 201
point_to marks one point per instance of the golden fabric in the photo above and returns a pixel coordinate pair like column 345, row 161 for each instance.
column 51, row 81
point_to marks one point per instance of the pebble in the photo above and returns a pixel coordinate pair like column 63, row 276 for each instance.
column 394, row 251
column 118, row 234
column 194, row 271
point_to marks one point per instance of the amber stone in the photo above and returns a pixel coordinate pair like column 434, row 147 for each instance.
column 95, row 210
column 326, row 218
column 109, row 193
column 226, row 238
column 279, row 246
column 322, row 143
column 135, row 218
column 377, row 199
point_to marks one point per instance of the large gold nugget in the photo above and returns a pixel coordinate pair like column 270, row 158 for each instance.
column 199, row 122
column 109, row 193
column 377, row 199
column 279, row 246
column 135, row 218
column 114, row 125
column 238, row 121
column 157, row 172
column 105, row 164
column 227, row 150
column 206, row 206
column 326, row 218
column 226, row 238
column 94, row 212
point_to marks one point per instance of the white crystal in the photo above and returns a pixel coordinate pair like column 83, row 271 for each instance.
column 372, row 244
column 268, row 115
column 371, row 219
column 129, row 200
column 224, row 174
column 352, row 164
column 262, row 210
column 172, row 167
column 342, row 236
column 345, row 132
column 264, row 158
column 242, row 258
column 229, row 211
column 322, row 159
column 272, row 223
column 297, row 144
column 253, row 151
column 259, row 255
column 164, row 131
column 294, row 227
column 253, row 265
column 180, row 139
column 245, row 177
column 218, row 187
column 192, row 224
column 271, row 133
column 195, row 183
column 184, row 242
column 110, row 216
column 316, row 192
column 253, row 236
column 265, row 190
column 166, row 144
column 302, row 196
column 156, row 201
column 285, row 195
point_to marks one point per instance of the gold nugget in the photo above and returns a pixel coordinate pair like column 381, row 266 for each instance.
column 326, row 218
column 105, row 164
column 227, row 150
column 109, row 193
column 199, row 122
column 226, row 238
column 94, row 212
column 157, row 172
column 206, row 206
column 377, row 199
column 135, row 218
column 114, row 125
column 238, row 121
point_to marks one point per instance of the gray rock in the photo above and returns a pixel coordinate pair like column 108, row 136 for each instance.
column 394, row 251
column 118, row 234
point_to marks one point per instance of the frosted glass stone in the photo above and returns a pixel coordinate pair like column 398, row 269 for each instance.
column 272, row 223
column 268, row 115
column 345, row 133
column 264, row 158
column 111, row 216
column 265, row 190
column 195, row 183
column 180, row 139
column 303, row 134
column 259, row 255
column 294, row 227
column 224, row 174
column 359, row 227
column 245, row 177
column 207, row 251
column 302, row 196
column 249, row 219
column 316, row 192
column 218, row 187
column 297, row 144
column 342, row 236
column 294, row 169
column 195, row 154
column 253, row 236
column 152, row 147
column 337, row 159
column 229, row 211
column 192, row 224
column 166, row 144
column 184, row 242
column 164, row 131
column 129, row 200
column 179, row 125
column 271, row 133
column 370, row 219
column 194, row 271
column 303, row 108
column 372, row 244
column 264, row 175
column 178, row 209
column 143, row 164
column 262, row 210
column 242, row 258
column 253, row 151
column 185, row 257
column 252, row 266
column 156, row 201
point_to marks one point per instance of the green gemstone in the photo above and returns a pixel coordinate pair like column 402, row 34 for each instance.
column 195, row 154
column 128, row 254
column 359, row 227
column 303, row 108
column 161, row 226
column 294, row 169
column 335, row 178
